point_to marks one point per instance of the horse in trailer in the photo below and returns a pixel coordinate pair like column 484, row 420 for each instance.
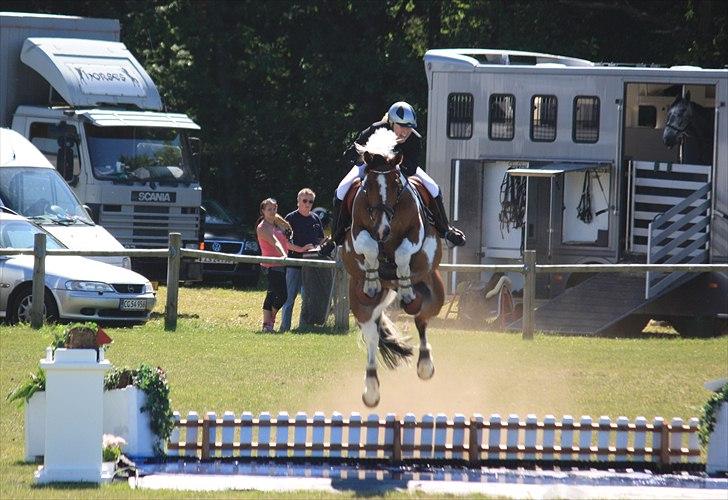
column 391, row 251
column 690, row 125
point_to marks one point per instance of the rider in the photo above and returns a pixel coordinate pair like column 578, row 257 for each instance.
column 401, row 119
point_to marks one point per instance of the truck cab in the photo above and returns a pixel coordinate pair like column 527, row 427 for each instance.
column 78, row 95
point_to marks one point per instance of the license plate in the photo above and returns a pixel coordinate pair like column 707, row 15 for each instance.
column 208, row 260
column 133, row 304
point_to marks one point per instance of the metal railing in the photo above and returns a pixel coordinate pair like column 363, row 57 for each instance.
column 174, row 253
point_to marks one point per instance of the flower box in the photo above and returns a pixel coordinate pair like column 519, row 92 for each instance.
column 718, row 446
column 122, row 417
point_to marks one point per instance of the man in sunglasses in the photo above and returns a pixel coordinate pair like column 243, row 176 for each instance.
column 307, row 232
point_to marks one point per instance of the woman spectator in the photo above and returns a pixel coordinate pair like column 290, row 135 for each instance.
column 273, row 232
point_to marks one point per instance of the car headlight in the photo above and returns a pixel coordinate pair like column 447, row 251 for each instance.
column 88, row 286
column 252, row 246
column 148, row 287
column 126, row 262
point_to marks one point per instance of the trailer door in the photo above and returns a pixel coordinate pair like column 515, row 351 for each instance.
column 466, row 202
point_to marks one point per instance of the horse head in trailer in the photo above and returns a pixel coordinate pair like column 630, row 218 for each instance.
column 391, row 252
column 690, row 125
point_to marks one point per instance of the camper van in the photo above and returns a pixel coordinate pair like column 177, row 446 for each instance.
column 70, row 87
column 569, row 158
column 31, row 186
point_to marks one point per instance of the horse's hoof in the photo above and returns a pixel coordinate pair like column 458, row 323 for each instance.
column 425, row 367
column 370, row 398
column 413, row 307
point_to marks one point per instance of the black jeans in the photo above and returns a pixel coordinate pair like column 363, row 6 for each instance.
column 277, row 294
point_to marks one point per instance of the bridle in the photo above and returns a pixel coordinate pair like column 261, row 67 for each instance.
column 381, row 207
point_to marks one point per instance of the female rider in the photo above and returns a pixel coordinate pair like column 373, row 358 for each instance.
column 401, row 119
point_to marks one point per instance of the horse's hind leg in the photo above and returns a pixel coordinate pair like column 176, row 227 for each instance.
column 369, row 330
column 425, row 365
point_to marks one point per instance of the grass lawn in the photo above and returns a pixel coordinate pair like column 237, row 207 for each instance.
column 217, row 361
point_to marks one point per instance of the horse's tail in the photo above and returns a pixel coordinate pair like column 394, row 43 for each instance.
column 393, row 347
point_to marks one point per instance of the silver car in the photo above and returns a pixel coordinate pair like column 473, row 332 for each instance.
column 76, row 288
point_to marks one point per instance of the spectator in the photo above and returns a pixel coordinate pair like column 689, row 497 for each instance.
column 271, row 231
column 307, row 233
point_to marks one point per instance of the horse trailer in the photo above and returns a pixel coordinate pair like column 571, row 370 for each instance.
column 569, row 158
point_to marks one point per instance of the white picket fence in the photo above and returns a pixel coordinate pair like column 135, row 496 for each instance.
column 475, row 440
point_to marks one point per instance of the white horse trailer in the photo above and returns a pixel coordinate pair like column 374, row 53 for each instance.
column 566, row 157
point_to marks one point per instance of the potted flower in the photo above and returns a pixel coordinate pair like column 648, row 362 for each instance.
column 111, row 452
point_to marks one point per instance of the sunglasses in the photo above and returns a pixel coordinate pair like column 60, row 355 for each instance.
column 310, row 202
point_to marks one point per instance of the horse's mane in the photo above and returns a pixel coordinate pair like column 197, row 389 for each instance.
column 382, row 142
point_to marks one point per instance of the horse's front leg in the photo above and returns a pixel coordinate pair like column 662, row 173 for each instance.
column 402, row 258
column 425, row 365
column 366, row 246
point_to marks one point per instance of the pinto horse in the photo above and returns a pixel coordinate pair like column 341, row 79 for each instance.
column 391, row 252
column 691, row 125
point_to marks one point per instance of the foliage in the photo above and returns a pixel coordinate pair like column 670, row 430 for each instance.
column 23, row 393
column 281, row 88
column 709, row 414
column 153, row 381
column 111, row 447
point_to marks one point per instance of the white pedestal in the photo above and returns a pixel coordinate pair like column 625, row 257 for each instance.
column 74, row 416
column 123, row 417
column 718, row 445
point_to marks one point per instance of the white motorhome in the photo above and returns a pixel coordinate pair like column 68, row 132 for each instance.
column 566, row 157
column 80, row 96
column 31, row 186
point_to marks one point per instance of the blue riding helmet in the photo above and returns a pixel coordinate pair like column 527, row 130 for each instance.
column 403, row 114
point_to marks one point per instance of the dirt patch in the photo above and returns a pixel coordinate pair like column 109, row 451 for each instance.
column 466, row 381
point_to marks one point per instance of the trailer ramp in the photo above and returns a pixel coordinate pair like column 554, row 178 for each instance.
column 592, row 306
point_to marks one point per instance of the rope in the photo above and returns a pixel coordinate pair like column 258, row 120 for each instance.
column 513, row 203
column 584, row 210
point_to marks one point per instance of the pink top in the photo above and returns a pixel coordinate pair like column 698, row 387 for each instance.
column 269, row 250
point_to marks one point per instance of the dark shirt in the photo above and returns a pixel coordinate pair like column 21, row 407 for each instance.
column 410, row 148
column 305, row 230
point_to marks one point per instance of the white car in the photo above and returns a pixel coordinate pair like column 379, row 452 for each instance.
column 76, row 288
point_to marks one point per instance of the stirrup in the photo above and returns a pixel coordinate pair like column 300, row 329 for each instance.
column 455, row 236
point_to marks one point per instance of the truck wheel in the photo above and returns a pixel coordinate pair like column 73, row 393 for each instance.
column 21, row 302
column 697, row 327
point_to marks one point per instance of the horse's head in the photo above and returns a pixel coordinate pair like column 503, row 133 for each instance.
column 679, row 120
column 382, row 184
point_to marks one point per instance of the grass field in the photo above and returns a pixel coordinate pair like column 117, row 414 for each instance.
column 217, row 361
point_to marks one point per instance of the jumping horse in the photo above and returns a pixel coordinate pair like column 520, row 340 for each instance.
column 690, row 125
column 391, row 252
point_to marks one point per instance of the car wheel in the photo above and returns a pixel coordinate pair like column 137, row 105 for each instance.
column 21, row 303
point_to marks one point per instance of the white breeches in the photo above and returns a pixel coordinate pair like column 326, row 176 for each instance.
column 357, row 171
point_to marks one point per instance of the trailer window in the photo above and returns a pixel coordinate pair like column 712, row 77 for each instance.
column 59, row 144
column 585, row 119
column 501, row 117
column 460, row 116
column 543, row 118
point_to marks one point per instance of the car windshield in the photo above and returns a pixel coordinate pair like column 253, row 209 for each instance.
column 42, row 194
column 216, row 214
column 21, row 234
column 139, row 154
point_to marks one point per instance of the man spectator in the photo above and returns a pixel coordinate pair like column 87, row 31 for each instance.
column 307, row 229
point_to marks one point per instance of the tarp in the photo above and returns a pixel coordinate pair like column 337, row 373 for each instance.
column 89, row 73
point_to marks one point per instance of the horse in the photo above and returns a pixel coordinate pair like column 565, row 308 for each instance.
column 690, row 125
column 391, row 252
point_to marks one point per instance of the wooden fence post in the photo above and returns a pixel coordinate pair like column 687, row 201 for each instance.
column 529, row 293
column 37, row 310
column 341, row 285
column 173, row 261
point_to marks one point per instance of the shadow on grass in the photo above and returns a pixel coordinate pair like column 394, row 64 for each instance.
column 317, row 330
column 66, row 486
column 159, row 315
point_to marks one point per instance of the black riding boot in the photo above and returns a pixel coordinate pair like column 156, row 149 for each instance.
column 451, row 234
column 340, row 222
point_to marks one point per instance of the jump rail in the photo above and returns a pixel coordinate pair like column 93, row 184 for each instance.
column 174, row 254
column 436, row 438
